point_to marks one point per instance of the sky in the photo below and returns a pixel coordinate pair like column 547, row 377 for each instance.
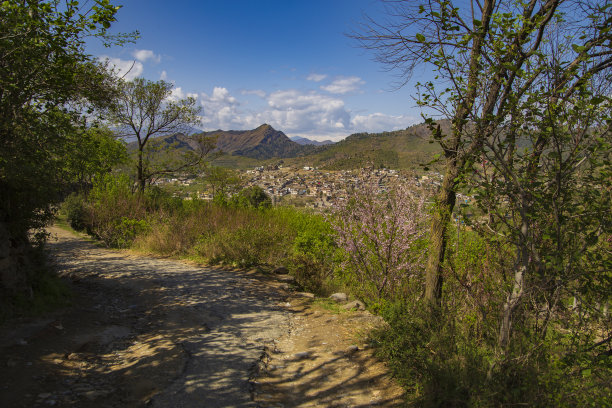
column 287, row 63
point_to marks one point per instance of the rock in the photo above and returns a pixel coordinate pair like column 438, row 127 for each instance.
column 302, row 355
column 354, row 305
column 339, row 297
column 352, row 349
column 306, row 295
column 280, row 271
column 286, row 278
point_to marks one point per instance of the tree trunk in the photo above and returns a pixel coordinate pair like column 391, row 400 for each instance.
column 518, row 287
column 140, row 177
column 445, row 203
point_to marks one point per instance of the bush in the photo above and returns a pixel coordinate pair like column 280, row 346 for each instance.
column 73, row 208
column 314, row 253
column 113, row 213
column 251, row 197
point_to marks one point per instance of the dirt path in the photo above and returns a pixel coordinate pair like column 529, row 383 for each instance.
column 153, row 332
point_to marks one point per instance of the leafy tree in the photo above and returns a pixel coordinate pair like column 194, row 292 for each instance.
column 46, row 83
column 543, row 186
column 253, row 197
column 488, row 59
column 95, row 151
column 222, row 180
column 145, row 110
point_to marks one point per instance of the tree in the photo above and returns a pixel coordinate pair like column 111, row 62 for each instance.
column 222, row 181
column 544, row 184
column 47, row 82
column 487, row 60
column 380, row 233
column 146, row 111
column 251, row 197
column 95, row 151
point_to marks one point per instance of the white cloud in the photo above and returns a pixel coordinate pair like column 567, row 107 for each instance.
column 177, row 93
column 305, row 113
column 146, row 55
column 343, row 85
column 125, row 69
column 163, row 76
column 379, row 122
column 316, row 77
column 258, row 92
column 220, row 110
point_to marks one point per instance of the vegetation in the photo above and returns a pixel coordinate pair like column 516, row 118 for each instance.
column 525, row 86
column 401, row 149
column 50, row 89
column 511, row 307
column 144, row 110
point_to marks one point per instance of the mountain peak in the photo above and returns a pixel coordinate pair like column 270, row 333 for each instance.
column 264, row 142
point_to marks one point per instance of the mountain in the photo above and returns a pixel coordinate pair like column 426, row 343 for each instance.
column 306, row 141
column 262, row 143
column 407, row 148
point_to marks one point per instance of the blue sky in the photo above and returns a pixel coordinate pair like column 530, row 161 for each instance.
column 287, row 63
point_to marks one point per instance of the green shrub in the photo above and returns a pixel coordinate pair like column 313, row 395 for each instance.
column 314, row 253
column 126, row 231
column 73, row 208
column 251, row 197
column 113, row 210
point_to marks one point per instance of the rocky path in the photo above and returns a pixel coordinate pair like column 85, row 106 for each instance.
column 154, row 332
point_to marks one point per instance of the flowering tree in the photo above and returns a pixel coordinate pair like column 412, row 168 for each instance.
column 381, row 233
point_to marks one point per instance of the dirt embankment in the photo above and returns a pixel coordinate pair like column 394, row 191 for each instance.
column 144, row 331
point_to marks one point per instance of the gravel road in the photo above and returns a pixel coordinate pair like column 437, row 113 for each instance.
column 147, row 332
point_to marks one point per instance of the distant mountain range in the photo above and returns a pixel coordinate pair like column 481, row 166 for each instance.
column 405, row 148
column 305, row 141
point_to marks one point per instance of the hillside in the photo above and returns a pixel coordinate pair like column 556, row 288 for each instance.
column 397, row 149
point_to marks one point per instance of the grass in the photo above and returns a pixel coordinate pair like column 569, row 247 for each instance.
column 329, row 305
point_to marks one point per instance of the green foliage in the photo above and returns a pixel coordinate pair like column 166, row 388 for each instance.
column 437, row 366
column 314, row 253
column 452, row 358
column 251, row 197
column 73, row 208
column 50, row 89
column 113, row 210
column 256, row 240
column 143, row 110
column 46, row 82
column 94, row 152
